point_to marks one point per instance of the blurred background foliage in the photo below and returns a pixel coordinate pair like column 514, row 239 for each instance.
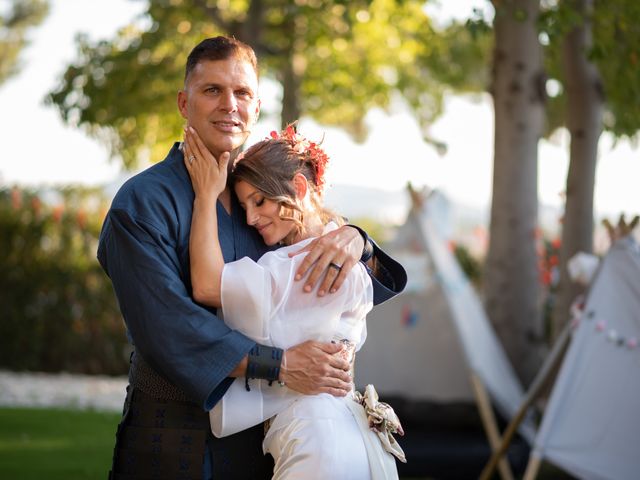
column 59, row 312
column 15, row 21
column 333, row 60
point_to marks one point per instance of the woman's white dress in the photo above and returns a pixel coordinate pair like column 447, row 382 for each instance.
column 318, row 436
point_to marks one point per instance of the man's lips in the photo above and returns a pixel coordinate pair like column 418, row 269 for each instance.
column 227, row 125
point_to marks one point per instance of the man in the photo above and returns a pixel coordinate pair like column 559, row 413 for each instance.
column 185, row 356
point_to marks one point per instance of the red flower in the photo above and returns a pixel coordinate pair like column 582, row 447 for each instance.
column 310, row 150
column 81, row 218
column 16, row 198
column 57, row 213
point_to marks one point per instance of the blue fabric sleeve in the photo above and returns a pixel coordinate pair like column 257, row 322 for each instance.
column 383, row 291
column 181, row 340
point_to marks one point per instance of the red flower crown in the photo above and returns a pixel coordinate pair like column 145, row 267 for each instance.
column 309, row 150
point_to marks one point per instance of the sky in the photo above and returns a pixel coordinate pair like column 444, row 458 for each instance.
column 39, row 150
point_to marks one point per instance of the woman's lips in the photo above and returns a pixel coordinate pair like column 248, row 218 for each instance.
column 260, row 228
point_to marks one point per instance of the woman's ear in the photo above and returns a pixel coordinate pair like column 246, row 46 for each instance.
column 301, row 186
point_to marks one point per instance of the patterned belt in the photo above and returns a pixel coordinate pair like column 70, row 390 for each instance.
column 162, row 434
column 160, row 439
column 143, row 377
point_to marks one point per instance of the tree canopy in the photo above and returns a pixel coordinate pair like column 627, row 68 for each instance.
column 334, row 59
column 15, row 21
column 615, row 52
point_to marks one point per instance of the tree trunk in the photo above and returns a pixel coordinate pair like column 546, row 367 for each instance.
column 585, row 104
column 290, row 77
column 290, row 94
column 252, row 29
column 511, row 275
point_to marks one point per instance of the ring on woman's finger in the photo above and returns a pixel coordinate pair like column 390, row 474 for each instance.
column 336, row 266
column 191, row 158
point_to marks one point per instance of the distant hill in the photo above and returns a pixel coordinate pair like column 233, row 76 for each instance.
column 389, row 207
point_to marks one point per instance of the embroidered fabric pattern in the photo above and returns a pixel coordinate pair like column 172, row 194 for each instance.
column 382, row 420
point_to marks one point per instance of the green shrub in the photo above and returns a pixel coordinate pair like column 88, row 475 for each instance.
column 57, row 306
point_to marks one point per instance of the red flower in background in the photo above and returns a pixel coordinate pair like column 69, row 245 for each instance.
column 57, row 212
column 16, row 198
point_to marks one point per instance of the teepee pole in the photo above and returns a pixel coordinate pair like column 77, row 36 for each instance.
column 532, row 468
column 489, row 422
column 549, row 366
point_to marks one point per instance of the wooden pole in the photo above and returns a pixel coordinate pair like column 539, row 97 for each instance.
column 532, row 468
column 556, row 354
column 490, row 425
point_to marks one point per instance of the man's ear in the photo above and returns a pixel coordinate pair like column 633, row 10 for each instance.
column 258, row 106
column 182, row 103
column 301, row 186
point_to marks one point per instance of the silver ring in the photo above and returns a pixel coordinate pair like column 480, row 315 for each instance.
column 336, row 266
column 191, row 159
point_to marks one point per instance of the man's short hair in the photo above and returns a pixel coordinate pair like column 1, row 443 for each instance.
column 220, row 48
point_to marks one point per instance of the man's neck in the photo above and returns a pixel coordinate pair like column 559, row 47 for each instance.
column 225, row 199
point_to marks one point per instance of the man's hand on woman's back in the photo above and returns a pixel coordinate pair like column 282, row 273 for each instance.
column 316, row 367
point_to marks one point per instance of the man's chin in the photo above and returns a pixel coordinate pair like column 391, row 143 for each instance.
column 227, row 143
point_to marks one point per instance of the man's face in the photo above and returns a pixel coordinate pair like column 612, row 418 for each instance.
column 220, row 101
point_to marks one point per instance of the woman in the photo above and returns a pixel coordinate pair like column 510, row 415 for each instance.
column 279, row 183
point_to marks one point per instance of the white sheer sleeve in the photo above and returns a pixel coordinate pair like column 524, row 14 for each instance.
column 262, row 301
column 246, row 298
column 305, row 316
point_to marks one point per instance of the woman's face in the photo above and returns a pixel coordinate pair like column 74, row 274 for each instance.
column 262, row 213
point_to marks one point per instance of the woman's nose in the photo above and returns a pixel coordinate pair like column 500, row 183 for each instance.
column 252, row 217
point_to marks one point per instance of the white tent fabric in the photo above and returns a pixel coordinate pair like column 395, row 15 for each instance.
column 425, row 342
column 591, row 426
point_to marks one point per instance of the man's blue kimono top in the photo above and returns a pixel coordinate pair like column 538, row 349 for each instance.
column 144, row 248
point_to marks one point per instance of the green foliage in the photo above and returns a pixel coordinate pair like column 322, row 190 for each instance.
column 14, row 24
column 55, row 444
column 380, row 232
column 471, row 266
column 615, row 52
column 59, row 311
column 454, row 59
column 335, row 59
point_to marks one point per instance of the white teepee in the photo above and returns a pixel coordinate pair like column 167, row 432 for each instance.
column 591, row 426
column 428, row 342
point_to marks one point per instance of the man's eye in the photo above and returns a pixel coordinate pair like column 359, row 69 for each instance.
column 259, row 202
column 212, row 90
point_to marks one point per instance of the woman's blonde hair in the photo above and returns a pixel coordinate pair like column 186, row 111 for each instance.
column 270, row 166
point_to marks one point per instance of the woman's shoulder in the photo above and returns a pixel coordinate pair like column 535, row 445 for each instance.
column 281, row 254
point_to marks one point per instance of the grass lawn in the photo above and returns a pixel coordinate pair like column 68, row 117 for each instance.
column 55, row 444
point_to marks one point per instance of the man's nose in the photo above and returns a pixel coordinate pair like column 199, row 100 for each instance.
column 228, row 102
